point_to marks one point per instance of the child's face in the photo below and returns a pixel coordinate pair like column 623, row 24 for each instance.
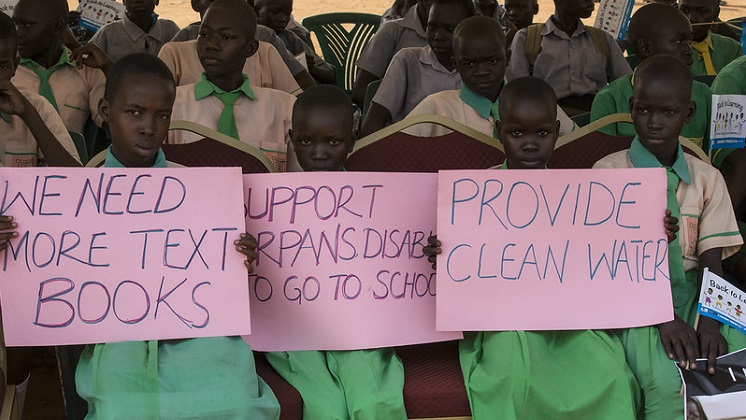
column 8, row 59
column 322, row 138
column 673, row 38
column 528, row 131
column 700, row 11
column 521, row 12
column 38, row 30
column 581, row 8
column 223, row 44
column 140, row 7
column 441, row 23
column 138, row 119
column 659, row 111
column 274, row 14
column 481, row 64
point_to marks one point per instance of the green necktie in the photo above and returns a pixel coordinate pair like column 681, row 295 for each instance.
column 227, row 121
column 45, row 89
column 494, row 113
column 675, row 259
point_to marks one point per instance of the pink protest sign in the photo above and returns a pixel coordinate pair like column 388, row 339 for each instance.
column 340, row 262
column 552, row 249
column 107, row 255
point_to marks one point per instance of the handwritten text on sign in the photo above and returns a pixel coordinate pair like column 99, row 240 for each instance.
column 122, row 254
column 340, row 261
column 551, row 250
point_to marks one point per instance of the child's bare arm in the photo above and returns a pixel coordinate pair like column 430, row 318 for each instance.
column 246, row 244
column 671, row 224
column 711, row 343
column 432, row 249
column 7, row 231
column 15, row 103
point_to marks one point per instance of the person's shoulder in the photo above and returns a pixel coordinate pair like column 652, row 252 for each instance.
column 700, row 90
column 185, row 93
column 272, row 95
column 41, row 104
column 616, row 160
column 720, row 41
column 697, row 166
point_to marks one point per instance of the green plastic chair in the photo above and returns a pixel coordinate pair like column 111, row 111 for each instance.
column 342, row 47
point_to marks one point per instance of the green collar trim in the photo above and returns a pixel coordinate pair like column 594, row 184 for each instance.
column 204, row 88
column 643, row 158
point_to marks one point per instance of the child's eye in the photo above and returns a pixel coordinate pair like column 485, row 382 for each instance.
column 304, row 142
column 670, row 111
column 133, row 112
column 515, row 133
column 334, row 142
column 228, row 37
column 543, row 133
column 164, row 117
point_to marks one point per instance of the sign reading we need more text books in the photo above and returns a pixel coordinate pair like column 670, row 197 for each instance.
column 111, row 254
column 552, row 249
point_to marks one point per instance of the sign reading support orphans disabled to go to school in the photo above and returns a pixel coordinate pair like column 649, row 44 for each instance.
column 108, row 254
column 340, row 261
column 552, row 249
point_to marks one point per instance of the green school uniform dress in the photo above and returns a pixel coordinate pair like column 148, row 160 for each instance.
column 614, row 99
column 656, row 373
column 355, row 384
column 722, row 51
column 198, row 378
column 580, row 374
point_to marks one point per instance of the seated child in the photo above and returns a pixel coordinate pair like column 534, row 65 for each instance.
column 417, row 72
column 656, row 29
column 224, row 98
column 576, row 60
column 520, row 13
column 541, row 374
column 140, row 30
column 196, row 378
column 390, row 38
column 660, row 107
column 713, row 51
column 275, row 14
column 358, row 384
column 479, row 57
column 264, row 66
column 263, row 33
column 30, row 128
column 48, row 68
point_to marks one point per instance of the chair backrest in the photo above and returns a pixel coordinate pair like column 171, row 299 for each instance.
column 370, row 92
column 389, row 150
column 214, row 149
column 582, row 148
column 341, row 46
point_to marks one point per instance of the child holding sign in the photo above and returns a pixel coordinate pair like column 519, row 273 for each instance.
column 28, row 122
column 337, row 384
column 197, row 378
column 660, row 107
column 541, row 374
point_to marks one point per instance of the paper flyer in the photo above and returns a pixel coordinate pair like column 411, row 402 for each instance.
column 613, row 17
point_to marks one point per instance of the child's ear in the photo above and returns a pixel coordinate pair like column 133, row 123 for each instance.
column 196, row 6
column 103, row 109
column 252, row 48
column 498, row 128
column 631, row 101
column 642, row 49
column 454, row 61
column 291, row 135
column 557, row 131
column 691, row 110
column 536, row 8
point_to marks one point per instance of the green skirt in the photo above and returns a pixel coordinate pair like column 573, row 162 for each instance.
column 201, row 378
column 357, row 384
column 548, row 375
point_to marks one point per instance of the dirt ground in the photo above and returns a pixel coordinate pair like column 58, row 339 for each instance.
column 180, row 11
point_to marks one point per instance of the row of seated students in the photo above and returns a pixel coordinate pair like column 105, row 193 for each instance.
column 615, row 375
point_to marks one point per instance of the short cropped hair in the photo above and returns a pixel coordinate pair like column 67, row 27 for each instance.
column 137, row 65
column 645, row 22
column 529, row 89
column 8, row 29
column 323, row 96
column 477, row 26
column 243, row 10
column 666, row 68
column 466, row 5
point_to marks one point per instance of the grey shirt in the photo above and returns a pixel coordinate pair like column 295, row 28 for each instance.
column 120, row 38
